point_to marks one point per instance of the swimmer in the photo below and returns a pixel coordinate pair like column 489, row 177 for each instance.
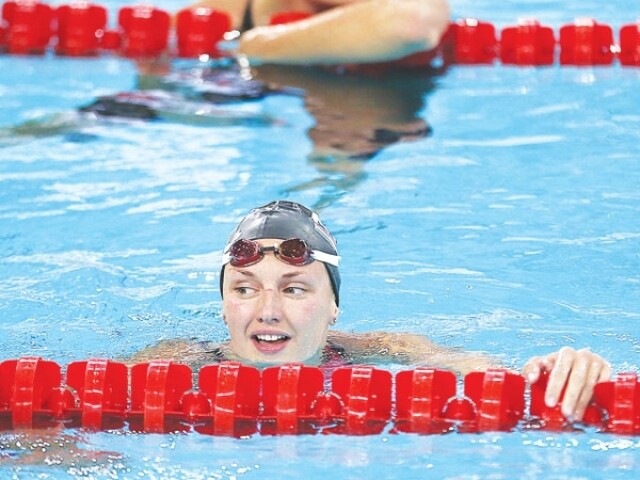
column 280, row 287
column 338, row 32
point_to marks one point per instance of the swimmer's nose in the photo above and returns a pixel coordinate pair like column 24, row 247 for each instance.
column 270, row 307
column 268, row 320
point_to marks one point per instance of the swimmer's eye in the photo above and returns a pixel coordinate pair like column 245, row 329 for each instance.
column 244, row 290
column 295, row 290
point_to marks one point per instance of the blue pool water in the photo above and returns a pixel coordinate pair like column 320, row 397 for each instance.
column 511, row 229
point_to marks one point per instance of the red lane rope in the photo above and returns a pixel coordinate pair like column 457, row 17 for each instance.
column 81, row 29
column 238, row 400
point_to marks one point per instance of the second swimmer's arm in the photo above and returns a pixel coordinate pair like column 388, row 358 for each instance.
column 365, row 31
column 408, row 349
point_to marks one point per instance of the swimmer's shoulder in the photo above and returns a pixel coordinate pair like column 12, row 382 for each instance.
column 381, row 347
column 358, row 346
column 194, row 353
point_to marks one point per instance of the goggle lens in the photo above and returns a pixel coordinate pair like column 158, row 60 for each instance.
column 244, row 252
column 294, row 251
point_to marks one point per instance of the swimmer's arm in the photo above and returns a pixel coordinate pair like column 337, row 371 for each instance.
column 365, row 31
column 163, row 350
column 409, row 349
column 184, row 351
column 574, row 371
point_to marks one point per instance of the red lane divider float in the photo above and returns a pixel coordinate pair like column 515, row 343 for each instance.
column 472, row 42
column 81, row 29
column 630, row 44
column 586, row 43
column 144, row 31
column 101, row 394
column 529, row 43
column 198, row 31
column 238, row 400
column 28, row 27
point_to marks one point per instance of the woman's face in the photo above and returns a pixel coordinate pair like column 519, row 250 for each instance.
column 276, row 312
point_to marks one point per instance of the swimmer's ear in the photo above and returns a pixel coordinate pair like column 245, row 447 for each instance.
column 336, row 312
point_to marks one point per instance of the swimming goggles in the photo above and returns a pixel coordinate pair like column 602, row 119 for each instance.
column 293, row 251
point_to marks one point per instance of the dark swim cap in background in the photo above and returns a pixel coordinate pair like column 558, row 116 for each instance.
column 284, row 219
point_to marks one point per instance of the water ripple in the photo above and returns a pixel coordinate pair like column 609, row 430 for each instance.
column 515, row 141
column 604, row 239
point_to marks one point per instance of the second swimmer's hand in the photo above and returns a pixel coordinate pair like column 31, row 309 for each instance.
column 579, row 370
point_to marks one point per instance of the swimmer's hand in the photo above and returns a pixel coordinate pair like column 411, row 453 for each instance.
column 579, row 370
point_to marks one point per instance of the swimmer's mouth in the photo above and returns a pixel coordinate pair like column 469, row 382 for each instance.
column 270, row 338
column 270, row 343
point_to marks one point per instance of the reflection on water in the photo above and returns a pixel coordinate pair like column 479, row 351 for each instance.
column 48, row 454
column 54, row 451
column 355, row 114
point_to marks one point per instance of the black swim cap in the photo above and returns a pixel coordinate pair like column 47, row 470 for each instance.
column 284, row 219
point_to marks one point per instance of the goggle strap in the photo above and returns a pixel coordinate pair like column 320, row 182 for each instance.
column 326, row 257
